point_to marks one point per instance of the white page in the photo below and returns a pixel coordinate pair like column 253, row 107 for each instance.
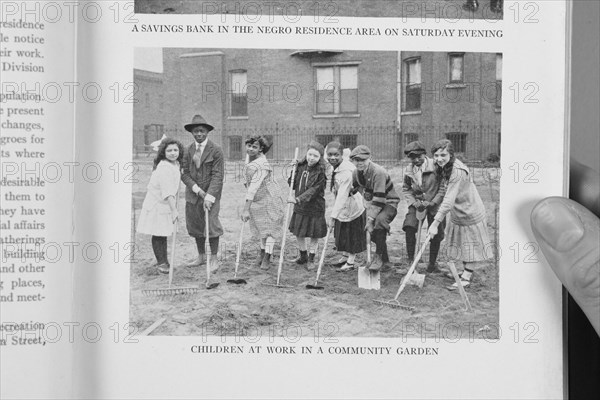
column 115, row 365
column 37, row 358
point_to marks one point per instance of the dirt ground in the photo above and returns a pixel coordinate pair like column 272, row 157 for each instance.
column 326, row 10
column 340, row 310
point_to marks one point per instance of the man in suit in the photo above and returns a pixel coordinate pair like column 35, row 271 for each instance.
column 202, row 174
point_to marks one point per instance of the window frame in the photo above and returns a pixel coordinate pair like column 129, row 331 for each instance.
column 231, row 95
column 458, row 137
column 411, row 88
column 336, row 91
column 461, row 80
column 499, row 65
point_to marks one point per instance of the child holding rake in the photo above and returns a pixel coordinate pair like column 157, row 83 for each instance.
column 467, row 226
column 159, row 210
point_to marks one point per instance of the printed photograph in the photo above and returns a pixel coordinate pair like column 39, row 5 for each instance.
column 291, row 192
column 327, row 10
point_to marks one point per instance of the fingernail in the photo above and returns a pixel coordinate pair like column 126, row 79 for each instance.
column 558, row 225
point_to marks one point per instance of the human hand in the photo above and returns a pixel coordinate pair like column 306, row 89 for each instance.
column 425, row 204
column 433, row 229
column 291, row 200
column 199, row 192
column 568, row 235
column 370, row 225
column 174, row 215
column 207, row 204
column 331, row 223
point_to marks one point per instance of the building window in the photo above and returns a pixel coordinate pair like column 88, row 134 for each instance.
column 152, row 133
column 456, row 67
column 498, row 81
column 410, row 137
column 337, row 89
column 238, row 93
column 347, row 141
column 459, row 141
column 235, row 148
column 412, row 84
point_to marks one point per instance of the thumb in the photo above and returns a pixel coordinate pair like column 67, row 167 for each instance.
column 568, row 235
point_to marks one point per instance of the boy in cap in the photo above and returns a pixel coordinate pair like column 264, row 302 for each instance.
column 377, row 188
column 202, row 173
column 423, row 190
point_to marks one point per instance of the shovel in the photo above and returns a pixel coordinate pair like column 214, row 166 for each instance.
column 236, row 280
column 207, row 250
column 416, row 278
column 368, row 279
column 321, row 260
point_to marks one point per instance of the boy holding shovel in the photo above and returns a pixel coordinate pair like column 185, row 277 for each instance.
column 377, row 188
column 424, row 193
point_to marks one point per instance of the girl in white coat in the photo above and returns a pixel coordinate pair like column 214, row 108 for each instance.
column 159, row 211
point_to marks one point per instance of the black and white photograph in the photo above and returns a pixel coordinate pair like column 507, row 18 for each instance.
column 328, row 10
column 383, row 224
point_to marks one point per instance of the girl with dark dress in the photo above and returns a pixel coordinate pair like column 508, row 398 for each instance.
column 308, row 219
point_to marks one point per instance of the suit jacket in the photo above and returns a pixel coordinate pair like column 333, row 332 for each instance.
column 210, row 174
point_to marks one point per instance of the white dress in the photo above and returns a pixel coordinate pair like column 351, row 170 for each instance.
column 155, row 217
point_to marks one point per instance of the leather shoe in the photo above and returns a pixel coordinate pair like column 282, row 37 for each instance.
column 376, row 263
column 197, row 262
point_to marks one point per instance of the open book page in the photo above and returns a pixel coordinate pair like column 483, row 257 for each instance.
column 489, row 79
column 377, row 82
column 37, row 95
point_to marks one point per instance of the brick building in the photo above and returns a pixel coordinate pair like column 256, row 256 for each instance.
column 455, row 96
column 381, row 99
column 148, row 109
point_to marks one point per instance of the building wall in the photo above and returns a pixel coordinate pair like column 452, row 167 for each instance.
column 281, row 100
column 148, row 108
column 281, row 94
column 468, row 108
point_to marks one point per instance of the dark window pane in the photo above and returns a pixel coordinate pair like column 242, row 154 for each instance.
column 498, row 94
column 459, row 141
column 413, row 98
column 235, row 147
column 410, row 137
column 239, row 105
column 325, row 101
column 349, row 100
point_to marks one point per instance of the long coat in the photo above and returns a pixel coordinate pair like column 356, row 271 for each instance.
column 209, row 177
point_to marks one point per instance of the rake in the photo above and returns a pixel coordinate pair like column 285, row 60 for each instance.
column 285, row 224
column 170, row 291
column 236, row 280
column 321, row 260
column 394, row 303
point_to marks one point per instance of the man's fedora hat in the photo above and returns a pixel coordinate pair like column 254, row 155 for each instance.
column 198, row 121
